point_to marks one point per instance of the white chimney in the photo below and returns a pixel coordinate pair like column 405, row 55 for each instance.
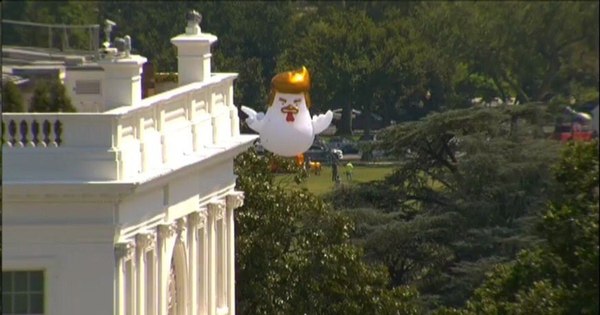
column 193, row 51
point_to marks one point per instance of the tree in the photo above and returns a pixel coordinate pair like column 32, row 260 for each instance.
column 533, row 51
column 294, row 256
column 51, row 12
column 50, row 96
column 561, row 275
column 12, row 100
column 346, row 66
column 462, row 199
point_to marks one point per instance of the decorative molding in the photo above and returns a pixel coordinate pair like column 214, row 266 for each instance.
column 165, row 231
column 216, row 209
column 124, row 251
column 196, row 219
column 235, row 200
column 180, row 226
column 145, row 240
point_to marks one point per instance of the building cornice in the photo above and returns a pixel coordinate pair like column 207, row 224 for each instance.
column 64, row 191
column 86, row 191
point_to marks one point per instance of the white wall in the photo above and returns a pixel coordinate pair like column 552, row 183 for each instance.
column 78, row 262
column 84, row 102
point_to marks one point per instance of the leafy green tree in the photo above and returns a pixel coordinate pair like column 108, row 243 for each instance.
column 345, row 65
column 50, row 12
column 533, row 51
column 12, row 100
column 561, row 275
column 294, row 256
column 463, row 198
column 50, row 96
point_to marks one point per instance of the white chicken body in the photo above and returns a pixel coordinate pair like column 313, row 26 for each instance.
column 287, row 129
column 287, row 138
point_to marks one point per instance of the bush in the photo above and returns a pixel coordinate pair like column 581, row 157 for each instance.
column 50, row 96
column 12, row 100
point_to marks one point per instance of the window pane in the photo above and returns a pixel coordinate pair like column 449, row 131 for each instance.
column 36, row 281
column 20, row 284
column 7, row 281
column 7, row 305
column 36, row 303
column 20, row 306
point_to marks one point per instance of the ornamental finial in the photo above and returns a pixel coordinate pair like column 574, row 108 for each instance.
column 193, row 19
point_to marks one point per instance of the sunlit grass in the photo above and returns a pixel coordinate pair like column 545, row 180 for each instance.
column 322, row 184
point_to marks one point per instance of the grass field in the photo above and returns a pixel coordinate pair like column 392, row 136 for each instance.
column 321, row 184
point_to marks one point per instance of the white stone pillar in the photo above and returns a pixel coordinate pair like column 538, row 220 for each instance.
column 143, row 241
column 122, row 84
column 193, row 221
column 165, row 234
column 234, row 201
column 203, row 268
column 193, row 55
column 214, row 208
column 151, row 281
column 131, row 279
column 123, row 252
column 181, row 269
column 222, row 262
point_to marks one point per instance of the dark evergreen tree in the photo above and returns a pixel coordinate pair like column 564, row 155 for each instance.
column 464, row 197
column 561, row 275
column 12, row 99
column 50, row 96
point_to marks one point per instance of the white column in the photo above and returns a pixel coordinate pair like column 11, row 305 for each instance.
column 203, row 269
column 193, row 220
column 214, row 208
column 222, row 262
column 193, row 56
column 182, row 274
column 165, row 234
column 151, row 282
column 143, row 241
column 131, row 279
column 234, row 201
column 123, row 252
column 122, row 84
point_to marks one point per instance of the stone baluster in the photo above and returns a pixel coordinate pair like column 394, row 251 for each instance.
column 23, row 131
column 35, row 132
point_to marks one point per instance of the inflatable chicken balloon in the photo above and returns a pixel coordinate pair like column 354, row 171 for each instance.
column 287, row 128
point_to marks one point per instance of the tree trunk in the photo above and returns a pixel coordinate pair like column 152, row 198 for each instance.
column 367, row 117
column 346, row 122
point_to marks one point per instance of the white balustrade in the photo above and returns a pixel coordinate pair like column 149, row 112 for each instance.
column 161, row 130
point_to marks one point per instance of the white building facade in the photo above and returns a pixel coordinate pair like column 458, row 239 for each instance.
column 126, row 207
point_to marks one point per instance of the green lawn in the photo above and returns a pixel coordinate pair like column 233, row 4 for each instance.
column 321, row 184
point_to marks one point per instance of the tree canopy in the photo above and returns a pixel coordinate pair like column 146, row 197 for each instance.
column 294, row 256
column 401, row 60
column 561, row 275
column 12, row 99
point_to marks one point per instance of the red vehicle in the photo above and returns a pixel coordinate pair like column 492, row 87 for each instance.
column 576, row 126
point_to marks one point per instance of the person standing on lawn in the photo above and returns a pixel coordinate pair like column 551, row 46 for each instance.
column 349, row 169
column 335, row 177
